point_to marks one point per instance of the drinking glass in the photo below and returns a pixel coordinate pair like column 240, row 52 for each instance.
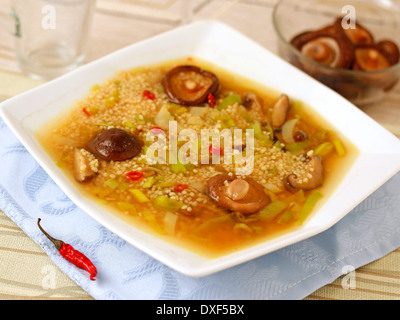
column 51, row 35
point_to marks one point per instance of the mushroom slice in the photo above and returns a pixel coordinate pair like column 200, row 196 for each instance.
column 280, row 111
column 370, row 57
column 391, row 49
column 115, row 145
column 357, row 35
column 324, row 50
column 250, row 101
column 86, row 166
column 311, row 179
column 323, row 46
column 242, row 195
column 189, row 85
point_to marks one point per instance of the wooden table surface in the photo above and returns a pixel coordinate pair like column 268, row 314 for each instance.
column 118, row 23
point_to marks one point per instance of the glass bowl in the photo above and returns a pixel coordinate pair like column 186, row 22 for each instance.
column 381, row 17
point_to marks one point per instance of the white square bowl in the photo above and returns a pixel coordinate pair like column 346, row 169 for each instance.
column 379, row 150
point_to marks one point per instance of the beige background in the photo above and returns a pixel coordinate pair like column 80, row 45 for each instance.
column 26, row 272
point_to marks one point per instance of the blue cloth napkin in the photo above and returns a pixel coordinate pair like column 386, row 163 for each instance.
column 368, row 233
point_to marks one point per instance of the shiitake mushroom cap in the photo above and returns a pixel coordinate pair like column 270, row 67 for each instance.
column 189, row 85
column 391, row 49
column 250, row 202
column 357, row 35
column 115, row 145
column 319, row 43
column 314, row 175
column 370, row 57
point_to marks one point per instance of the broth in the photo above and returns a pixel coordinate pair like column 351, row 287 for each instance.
column 168, row 200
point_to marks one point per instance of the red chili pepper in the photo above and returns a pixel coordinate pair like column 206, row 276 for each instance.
column 157, row 130
column 72, row 255
column 134, row 175
column 85, row 111
column 180, row 187
column 211, row 100
column 215, row 150
column 149, row 95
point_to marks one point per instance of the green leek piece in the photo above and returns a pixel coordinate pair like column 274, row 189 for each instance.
column 270, row 132
column 93, row 110
column 309, row 206
column 324, row 149
column 210, row 224
column 259, row 134
column 190, row 167
column 129, row 125
column 229, row 100
column 126, row 206
column 181, row 111
column 241, row 218
column 101, row 192
column 272, row 210
column 178, row 168
column 297, row 197
column 273, row 171
column 160, row 88
column 227, row 123
column 272, row 195
column 319, row 137
column 105, row 124
column 139, row 195
column 242, row 226
column 247, row 116
column 286, row 217
column 150, row 181
column 142, row 119
column 278, row 145
column 173, row 107
column 257, row 129
column 339, row 147
column 113, row 98
column 170, row 220
column 168, row 203
column 298, row 146
column 95, row 88
column 298, row 107
column 60, row 164
column 103, row 201
column 152, row 221
column 257, row 229
column 112, row 183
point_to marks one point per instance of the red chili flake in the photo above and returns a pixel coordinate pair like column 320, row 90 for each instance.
column 134, row 175
column 211, row 100
column 149, row 95
column 72, row 255
column 215, row 150
column 180, row 187
column 157, row 130
column 85, row 111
